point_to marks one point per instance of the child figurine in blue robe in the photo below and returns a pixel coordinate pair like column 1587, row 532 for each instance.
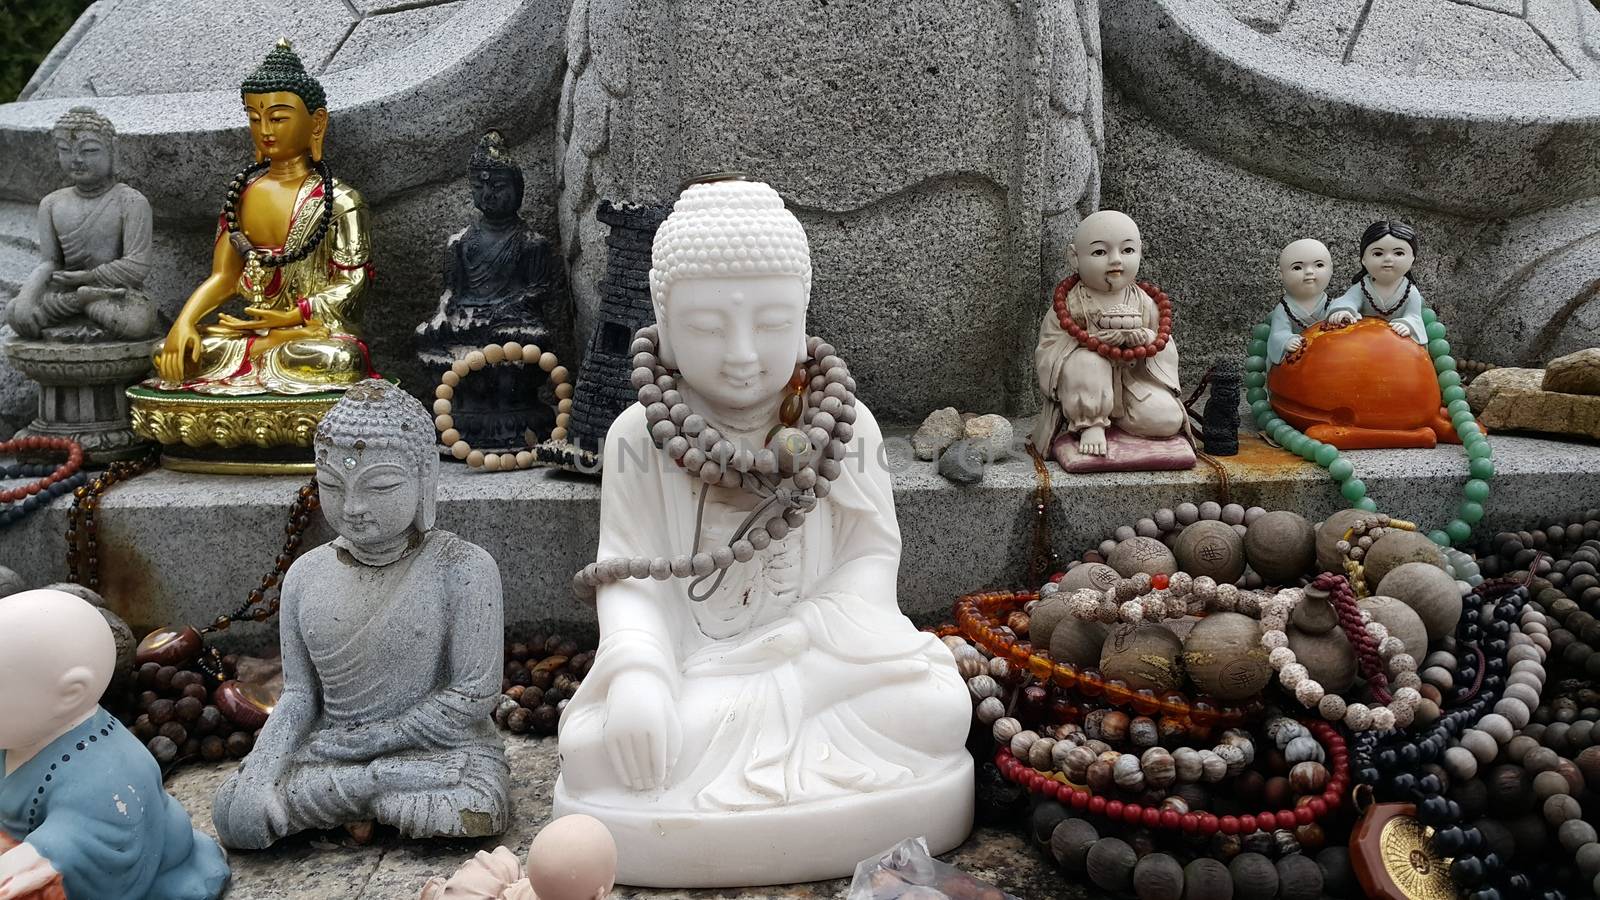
column 83, row 814
column 1305, row 266
column 1383, row 287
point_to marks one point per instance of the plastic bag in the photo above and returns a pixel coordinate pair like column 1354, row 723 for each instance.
column 907, row 871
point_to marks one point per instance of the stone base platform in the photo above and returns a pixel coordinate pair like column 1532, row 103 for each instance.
column 183, row 548
column 328, row 866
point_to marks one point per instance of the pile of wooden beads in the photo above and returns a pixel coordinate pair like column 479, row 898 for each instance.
column 510, row 352
column 977, row 615
column 1310, row 809
column 1401, row 708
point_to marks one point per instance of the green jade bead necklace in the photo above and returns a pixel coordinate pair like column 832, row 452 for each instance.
column 1480, row 457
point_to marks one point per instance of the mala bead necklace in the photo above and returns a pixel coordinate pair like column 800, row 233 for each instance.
column 1084, row 338
column 1391, row 771
column 83, row 529
column 1310, row 809
column 1480, row 457
column 1371, row 640
column 1155, row 598
column 510, row 353
column 257, row 261
column 976, row 614
column 790, row 474
column 51, row 481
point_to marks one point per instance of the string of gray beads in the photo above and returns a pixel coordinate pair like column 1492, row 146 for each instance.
column 807, row 456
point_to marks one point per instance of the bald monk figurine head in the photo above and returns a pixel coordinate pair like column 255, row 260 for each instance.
column 82, row 810
column 1106, row 250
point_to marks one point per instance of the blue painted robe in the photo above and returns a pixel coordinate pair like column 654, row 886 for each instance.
column 1409, row 312
column 1284, row 327
column 92, row 803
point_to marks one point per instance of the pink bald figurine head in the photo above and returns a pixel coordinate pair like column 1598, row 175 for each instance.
column 573, row 858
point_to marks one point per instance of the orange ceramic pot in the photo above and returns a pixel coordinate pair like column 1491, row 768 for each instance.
column 1361, row 387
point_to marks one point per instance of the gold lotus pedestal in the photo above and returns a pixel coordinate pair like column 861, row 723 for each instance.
column 255, row 434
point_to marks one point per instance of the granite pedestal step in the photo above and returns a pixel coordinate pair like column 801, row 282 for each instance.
column 324, row 866
column 184, row 548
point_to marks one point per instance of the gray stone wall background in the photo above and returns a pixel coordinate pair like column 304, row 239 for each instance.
column 935, row 151
column 940, row 152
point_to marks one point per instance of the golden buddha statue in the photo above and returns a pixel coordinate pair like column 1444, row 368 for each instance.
column 292, row 242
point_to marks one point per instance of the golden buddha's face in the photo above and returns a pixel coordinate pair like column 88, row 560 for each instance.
column 370, row 496
column 282, row 128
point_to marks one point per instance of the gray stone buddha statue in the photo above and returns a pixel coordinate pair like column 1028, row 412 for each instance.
column 502, row 283
column 84, row 326
column 94, row 240
column 356, row 736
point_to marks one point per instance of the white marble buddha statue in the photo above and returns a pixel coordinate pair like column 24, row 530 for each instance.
column 392, row 639
column 759, row 711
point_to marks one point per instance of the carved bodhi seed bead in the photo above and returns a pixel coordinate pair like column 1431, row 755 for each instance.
column 1395, row 548
column 1212, row 549
column 1142, row 554
column 1224, row 656
column 1144, row 656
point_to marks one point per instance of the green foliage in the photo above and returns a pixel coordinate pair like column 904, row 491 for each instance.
column 28, row 29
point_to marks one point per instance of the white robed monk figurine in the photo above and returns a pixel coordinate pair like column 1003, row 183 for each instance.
column 1107, row 367
column 759, row 711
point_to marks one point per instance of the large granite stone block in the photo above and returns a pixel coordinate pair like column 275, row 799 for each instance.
column 183, row 548
column 934, row 151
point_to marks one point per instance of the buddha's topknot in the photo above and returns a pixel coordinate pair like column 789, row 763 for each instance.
column 727, row 228
column 282, row 70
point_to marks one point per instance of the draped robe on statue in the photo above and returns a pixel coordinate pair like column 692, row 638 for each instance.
column 1083, row 389
column 326, row 352
column 1408, row 311
column 451, row 779
column 92, row 803
column 798, row 684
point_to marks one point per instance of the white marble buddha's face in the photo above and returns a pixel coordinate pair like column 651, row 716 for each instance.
column 736, row 340
column 86, row 159
column 1387, row 259
column 1305, row 267
column 56, row 658
column 1106, row 251
column 369, row 496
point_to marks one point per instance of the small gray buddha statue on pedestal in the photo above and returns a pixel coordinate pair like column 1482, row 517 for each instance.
column 356, row 738
column 502, row 283
column 85, row 326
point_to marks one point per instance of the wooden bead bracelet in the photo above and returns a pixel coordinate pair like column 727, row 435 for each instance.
column 1310, row 808
column 975, row 615
column 493, row 355
column 1083, row 337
